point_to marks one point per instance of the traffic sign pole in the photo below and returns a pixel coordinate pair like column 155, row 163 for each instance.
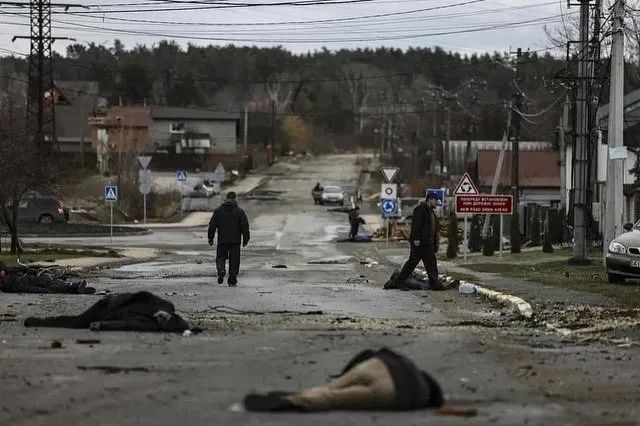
column 466, row 241
column 182, row 199
column 111, row 227
column 144, row 206
column 501, row 231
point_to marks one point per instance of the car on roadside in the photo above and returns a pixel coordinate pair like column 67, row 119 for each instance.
column 42, row 209
column 623, row 255
column 332, row 195
column 204, row 189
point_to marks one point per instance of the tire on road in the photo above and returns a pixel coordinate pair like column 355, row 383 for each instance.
column 45, row 218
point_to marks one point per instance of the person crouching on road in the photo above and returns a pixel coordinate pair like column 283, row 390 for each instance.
column 233, row 228
column 424, row 240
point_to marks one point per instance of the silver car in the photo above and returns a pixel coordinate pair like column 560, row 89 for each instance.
column 332, row 195
column 623, row 256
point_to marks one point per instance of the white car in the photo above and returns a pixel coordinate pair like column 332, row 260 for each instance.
column 332, row 195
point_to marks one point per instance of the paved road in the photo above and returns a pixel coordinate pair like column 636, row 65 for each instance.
column 512, row 371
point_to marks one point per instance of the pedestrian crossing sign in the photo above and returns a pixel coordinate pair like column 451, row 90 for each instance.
column 111, row 193
column 181, row 175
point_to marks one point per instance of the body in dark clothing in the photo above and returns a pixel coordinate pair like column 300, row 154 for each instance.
column 141, row 311
column 425, row 229
column 40, row 284
column 372, row 380
column 232, row 226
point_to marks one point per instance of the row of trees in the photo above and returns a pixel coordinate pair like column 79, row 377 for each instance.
column 342, row 92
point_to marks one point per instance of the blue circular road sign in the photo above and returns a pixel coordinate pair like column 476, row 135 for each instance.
column 389, row 206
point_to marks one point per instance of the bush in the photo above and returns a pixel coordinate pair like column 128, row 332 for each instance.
column 452, row 236
column 475, row 234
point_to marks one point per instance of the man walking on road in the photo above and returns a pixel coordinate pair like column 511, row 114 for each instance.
column 425, row 229
column 354, row 222
column 233, row 228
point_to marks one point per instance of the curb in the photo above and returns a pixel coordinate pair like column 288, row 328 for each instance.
column 517, row 304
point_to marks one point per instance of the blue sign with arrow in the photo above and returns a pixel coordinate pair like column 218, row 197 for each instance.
column 389, row 207
column 181, row 175
column 111, row 193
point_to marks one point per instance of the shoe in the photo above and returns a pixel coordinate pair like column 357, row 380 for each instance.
column 220, row 279
column 232, row 283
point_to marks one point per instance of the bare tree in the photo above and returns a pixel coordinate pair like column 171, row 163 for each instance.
column 282, row 90
column 23, row 167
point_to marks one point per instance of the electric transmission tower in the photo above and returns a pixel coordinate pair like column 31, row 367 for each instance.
column 40, row 98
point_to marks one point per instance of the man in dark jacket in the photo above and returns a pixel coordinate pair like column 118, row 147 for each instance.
column 424, row 240
column 233, row 228
column 354, row 222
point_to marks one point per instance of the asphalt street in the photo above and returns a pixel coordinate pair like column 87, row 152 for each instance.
column 290, row 328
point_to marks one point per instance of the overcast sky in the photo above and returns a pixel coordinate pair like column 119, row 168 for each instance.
column 368, row 23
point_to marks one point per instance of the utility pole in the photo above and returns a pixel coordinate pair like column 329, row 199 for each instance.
column 447, row 143
column 436, row 137
column 562, row 146
column 616, row 151
column 515, row 159
column 41, row 99
column 581, row 146
column 246, row 128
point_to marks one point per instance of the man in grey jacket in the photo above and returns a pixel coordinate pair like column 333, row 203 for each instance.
column 232, row 225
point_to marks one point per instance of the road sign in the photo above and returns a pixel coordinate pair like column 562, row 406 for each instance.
column 389, row 174
column 144, row 176
column 389, row 191
column 466, row 186
column 181, row 175
column 144, row 188
column 484, row 204
column 144, row 160
column 219, row 174
column 389, row 207
column 439, row 194
column 111, row 193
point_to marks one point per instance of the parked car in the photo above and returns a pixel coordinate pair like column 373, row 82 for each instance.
column 204, row 189
column 42, row 210
column 332, row 195
column 623, row 256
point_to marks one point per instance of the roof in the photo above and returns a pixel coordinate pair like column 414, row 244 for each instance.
column 177, row 113
column 71, row 118
column 537, row 169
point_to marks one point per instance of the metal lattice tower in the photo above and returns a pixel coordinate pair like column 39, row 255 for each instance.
column 40, row 104
column 41, row 97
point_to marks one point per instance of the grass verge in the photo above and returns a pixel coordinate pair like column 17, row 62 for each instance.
column 558, row 273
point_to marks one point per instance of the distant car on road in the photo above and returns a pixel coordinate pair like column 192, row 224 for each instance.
column 332, row 195
column 204, row 189
column 42, row 210
column 623, row 256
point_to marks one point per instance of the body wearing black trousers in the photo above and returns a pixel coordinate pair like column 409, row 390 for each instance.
column 425, row 228
column 232, row 226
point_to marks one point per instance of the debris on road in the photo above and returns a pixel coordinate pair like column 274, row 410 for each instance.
column 458, row 411
column 279, row 266
column 109, row 369
column 467, row 288
column 337, row 260
column 88, row 341
column 56, row 344
column 40, row 280
column 372, row 380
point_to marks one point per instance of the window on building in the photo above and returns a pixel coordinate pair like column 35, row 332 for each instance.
column 177, row 127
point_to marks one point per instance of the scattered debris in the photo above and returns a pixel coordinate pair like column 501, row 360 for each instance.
column 338, row 260
column 458, row 411
column 280, row 266
column 109, row 369
column 88, row 341
column 56, row 344
column 186, row 333
column 467, row 288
